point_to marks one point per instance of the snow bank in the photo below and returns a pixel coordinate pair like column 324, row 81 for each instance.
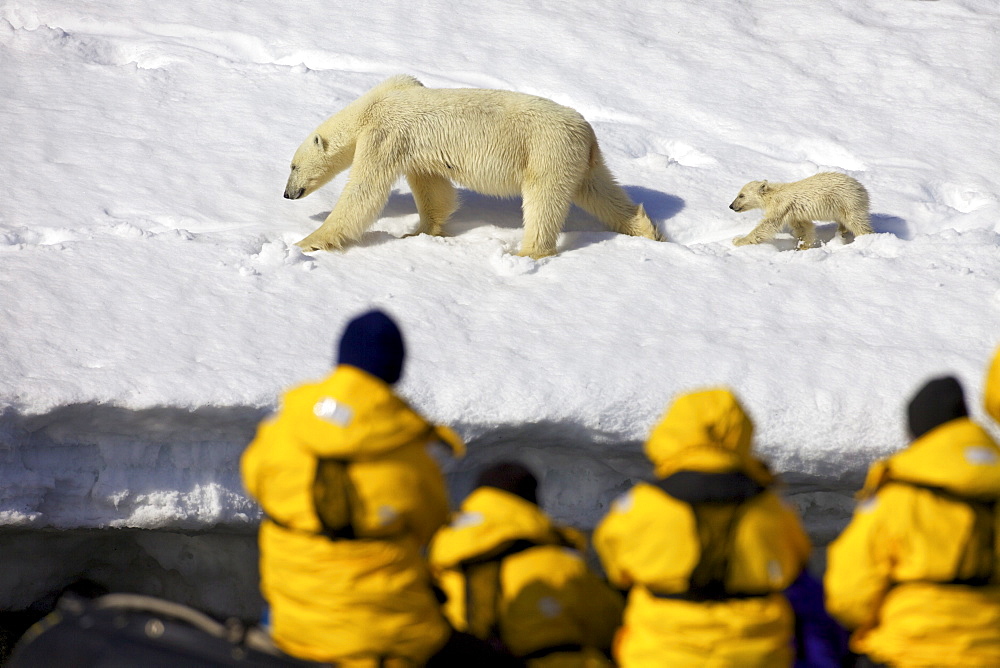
column 154, row 305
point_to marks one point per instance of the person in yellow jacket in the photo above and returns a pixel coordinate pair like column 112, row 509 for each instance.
column 915, row 574
column 991, row 397
column 706, row 549
column 351, row 496
column 516, row 579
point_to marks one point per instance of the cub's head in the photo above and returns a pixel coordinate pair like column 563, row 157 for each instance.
column 315, row 162
column 751, row 196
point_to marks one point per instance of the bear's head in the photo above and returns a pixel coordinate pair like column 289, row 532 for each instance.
column 315, row 162
column 751, row 197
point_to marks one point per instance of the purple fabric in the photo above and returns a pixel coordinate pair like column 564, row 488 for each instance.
column 820, row 642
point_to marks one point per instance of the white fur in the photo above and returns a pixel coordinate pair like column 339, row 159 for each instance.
column 494, row 142
column 824, row 196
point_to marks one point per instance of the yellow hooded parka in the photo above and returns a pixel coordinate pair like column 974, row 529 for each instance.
column 349, row 599
column 653, row 543
column 915, row 573
column 548, row 597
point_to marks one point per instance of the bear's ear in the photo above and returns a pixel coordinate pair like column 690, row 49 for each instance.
column 319, row 142
column 763, row 188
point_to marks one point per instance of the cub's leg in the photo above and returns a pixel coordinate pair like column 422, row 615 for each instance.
column 765, row 230
column 858, row 223
column 805, row 232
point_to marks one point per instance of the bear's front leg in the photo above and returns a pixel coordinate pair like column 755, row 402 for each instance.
column 363, row 199
column 322, row 239
column 765, row 230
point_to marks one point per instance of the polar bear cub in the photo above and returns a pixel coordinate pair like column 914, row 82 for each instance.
column 493, row 142
column 823, row 196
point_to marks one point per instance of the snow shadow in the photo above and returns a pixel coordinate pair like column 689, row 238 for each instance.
column 825, row 503
column 99, row 465
column 476, row 210
column 881, row 223
column 580, row 470
column 660, row 206
column 164, row 423
column 887, row 224
column 79, row 453
column 399, row 218
column 827, row 232
column 213, row 572
column 95, row 450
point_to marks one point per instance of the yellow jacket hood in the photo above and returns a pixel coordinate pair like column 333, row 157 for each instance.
column 489, row 519
column 958, row 456
column 352, row 414
column 705, row 431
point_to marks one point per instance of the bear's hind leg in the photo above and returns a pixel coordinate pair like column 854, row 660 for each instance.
column 435, row 199
column 805, row 233
column 600, row 196
column 858, row 224
column 544, row 208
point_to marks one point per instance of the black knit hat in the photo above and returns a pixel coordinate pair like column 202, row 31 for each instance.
column 510, row 477
column 940, row 400
column 372, row 342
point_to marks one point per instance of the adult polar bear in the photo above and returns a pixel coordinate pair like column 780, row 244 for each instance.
column 494, row 142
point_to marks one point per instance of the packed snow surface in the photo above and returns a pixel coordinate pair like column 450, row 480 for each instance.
column 155, row 306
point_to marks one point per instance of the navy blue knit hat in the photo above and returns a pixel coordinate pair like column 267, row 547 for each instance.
column 940, row 400
column 372, row 342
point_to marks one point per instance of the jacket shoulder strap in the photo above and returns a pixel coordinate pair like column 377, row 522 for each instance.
column 334, row 498
column 718, row 501
column 977, row 564
column 483, row 590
